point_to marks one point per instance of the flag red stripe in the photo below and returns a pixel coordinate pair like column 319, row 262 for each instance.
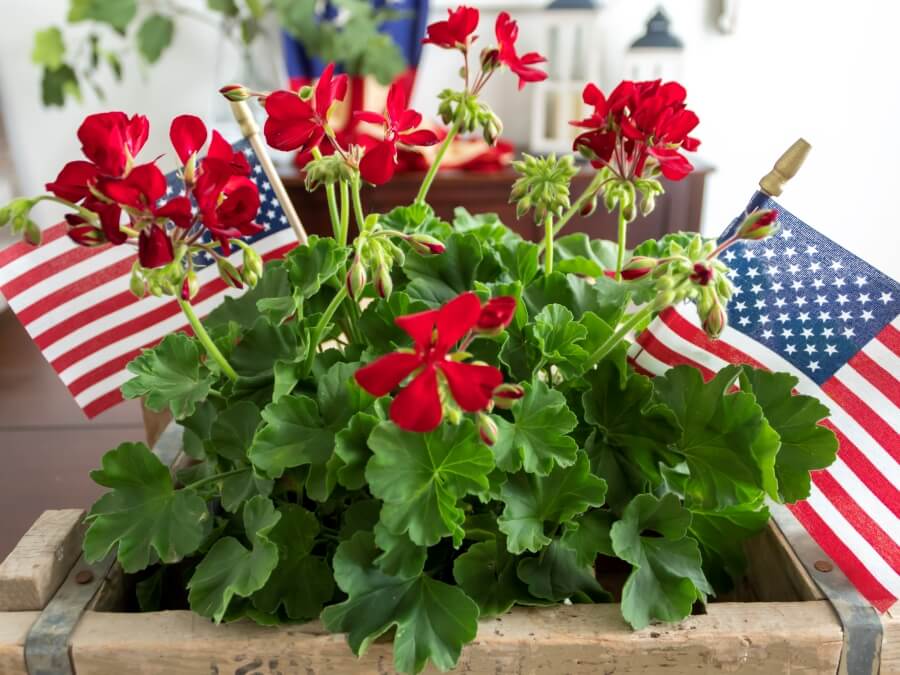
column 103, row 403
column 652, row 344
column 84, row 317
column 890, row 337
column 110, row 367
column 877, row 376
column 886, row 547
column 21, row 248
column 719, row 348
column 70, row 291
column 873, row 591
column 46, row 269
column 862, row 413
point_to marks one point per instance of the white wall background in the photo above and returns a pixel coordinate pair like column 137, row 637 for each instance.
column 822, row 69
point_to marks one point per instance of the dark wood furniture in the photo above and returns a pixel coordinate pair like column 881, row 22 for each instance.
column 678, row 209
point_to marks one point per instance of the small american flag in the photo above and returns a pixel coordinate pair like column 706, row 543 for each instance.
column 76, row 305
column 807, row 306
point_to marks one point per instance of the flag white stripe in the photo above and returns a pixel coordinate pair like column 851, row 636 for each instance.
column 884, row 357
column 868, row 556
column 38, row 256
column 867, row 500
column 880, row 404
column 103, row 387
column 650, row 363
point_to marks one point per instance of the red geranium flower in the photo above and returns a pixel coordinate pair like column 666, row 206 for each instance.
column 496, row 314
column 112, row 140
column 456, row 31
column 231, row 212
column 434, row 332
column 155, row 247
column 295, row 124
column 507, row 32
column 380, row 161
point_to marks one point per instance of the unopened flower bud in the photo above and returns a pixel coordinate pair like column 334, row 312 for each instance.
column 487, row 429
column 589, row 207
column 506, row 394
column 252, row 260
column 702, row 274
column 229, row 273
column 137, row 285
column 384, row 285
column 758, row 225
column 156, row 289
column 492, row 129
column 356, row 278
column 638, row 267
column 5, row 215
column 490, row 58
column 715, row 320
column 87, row 235
column 425, row 244
column 250, row 278
column 724, row 289
column 629, row 213
column 648, row 203
column 235, row 92
column 496, row 315
column 190, row 286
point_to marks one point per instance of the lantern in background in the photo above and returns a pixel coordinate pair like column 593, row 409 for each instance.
column 655, row 55
column 567, row 38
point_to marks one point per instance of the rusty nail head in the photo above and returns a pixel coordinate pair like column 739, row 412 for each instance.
column 823, row 566
column 84, row 577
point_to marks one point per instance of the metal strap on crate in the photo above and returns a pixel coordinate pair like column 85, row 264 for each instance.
column 861, row 653
column 47, row 643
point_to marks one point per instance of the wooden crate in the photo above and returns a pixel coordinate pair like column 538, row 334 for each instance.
column 788, row 629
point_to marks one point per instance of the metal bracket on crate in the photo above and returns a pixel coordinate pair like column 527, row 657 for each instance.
column 861, row 653
column 47, row 643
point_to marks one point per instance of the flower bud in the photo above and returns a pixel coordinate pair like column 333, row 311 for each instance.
column 702, row 274
column 496, row 315
column 629, row 213
column 648, row 203
column 235, row 92
column 252, row 260
column 638, row 266
column 758, row 225
column 190, row 286
column 589, row 206
column 137, row 285
column 229, row 273
column 664, row 299
column 715, row 320
column 492, row 128
column 724, row 289
column 156, row 289
column 5, row 215
column 506, row 394
column 250, row 278
column 425, row 244
column 490, row 58
column 384, row 285
column 87, row 235
column 356, row 278
column 487, row 429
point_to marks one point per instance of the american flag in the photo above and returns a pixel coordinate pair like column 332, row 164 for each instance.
column 805, row 305
column 76, row 305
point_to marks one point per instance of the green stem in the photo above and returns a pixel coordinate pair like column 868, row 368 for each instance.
column 218, row 476
column 620, row 256
column 345, row 213
column 592, row 188
column 206, row 340
column 319, row 328
column 438, row 158
column 357, row 205
column 332, row 202
column 548, row 244
column 613, row 340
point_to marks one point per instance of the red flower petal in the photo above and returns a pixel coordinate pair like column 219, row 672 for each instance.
column 418, row 406
column 472, row 385
column 102, row 139
column 396, row 102
column 290, row 121
column 378, row 164
column 456, row 318
column 381, row 376
column 110, row 217
column 368, row 116
column 419, row 326
column 497, row 313
column 673, row 165
column 137, row 130
column 178, row 210
column 73, row 181
column 188, row 135
column 422, row 137
column 154, row 248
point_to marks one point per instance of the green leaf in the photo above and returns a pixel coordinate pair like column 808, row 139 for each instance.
column 116, row 13
column 154, row 36
column 231, row 434
column 588, row 536
column 578, row 254
column 602, row 296
column 351, row 446
column 486, row 226
column 556, row 575
column 294, row 435
column 400, row 557
column 556, row 334
column 301, row 582
column 487, row 573
column 628, row 417
column 245, row 310
column 49, row 48
column 262, row 346
column 230, row 569
column 805, row 446
column 534, row 503
column 433, row 619
column 666, row 579
column 241, row 487
column 311, row 266
column 537, row 438
column 57, row 83
column 722, row 535
column 421, row 478
column 339, row 396
column 729, row 447
column 143, row 515
column 377, row 321
column 170, row 375
column 227, row 7
column 520, row 258
column 435, row 279
column 615, row 465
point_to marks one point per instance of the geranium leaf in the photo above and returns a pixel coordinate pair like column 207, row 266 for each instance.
column 351, row 445
column 722, row 535
column 231, row 433
column 400, row 556
column 339, row 396
column 245, row 310
column 170, row 375
column 293, row 435
column 301, row 582
column 143, row 515
column 596, row 255
column 435, row 279
column 604, row 297
column 433, row 619
column 556, row 574
column 262, row 346
column 487, row 573
column 486, row 226
column 229, row 569
column 311, row 266
column 615, row 465
column 421, row 478
column 239, row 488
column 598, row 331
column 531, row 502
column 520, row 259
column 536, row 438
column 729, row 447
column 556, row 334
column 377, row 321
column 628, row 417
column 116, row 13
column 667, row 578
column 154, row 36
column 588, row 536
column 805, row 446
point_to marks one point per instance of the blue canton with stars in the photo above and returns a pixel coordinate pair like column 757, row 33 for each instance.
column 270, row 216
column 804, row 297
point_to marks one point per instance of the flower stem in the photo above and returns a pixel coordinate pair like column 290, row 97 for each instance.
column 218, row 476
column 345, row 213
column 206, row 340
column 620, row 256
column 436, row 164
column 319, row 328
column 613, row 340
column 548, row 244
column 332, row 202
column 357, row 205
column 592, row 188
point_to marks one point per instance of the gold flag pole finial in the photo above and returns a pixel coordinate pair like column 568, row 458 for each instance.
column 250, row 131
column 785, row 168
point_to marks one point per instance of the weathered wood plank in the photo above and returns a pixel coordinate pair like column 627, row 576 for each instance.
column 752, row 638
column 14, row 628
column 774, row 572
column 41, row 560
column 890, row 642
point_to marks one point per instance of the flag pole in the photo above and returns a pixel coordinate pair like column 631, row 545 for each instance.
column 785, row 168
column 250, row 130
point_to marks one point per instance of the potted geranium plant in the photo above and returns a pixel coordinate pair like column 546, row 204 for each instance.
column 433, row 422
